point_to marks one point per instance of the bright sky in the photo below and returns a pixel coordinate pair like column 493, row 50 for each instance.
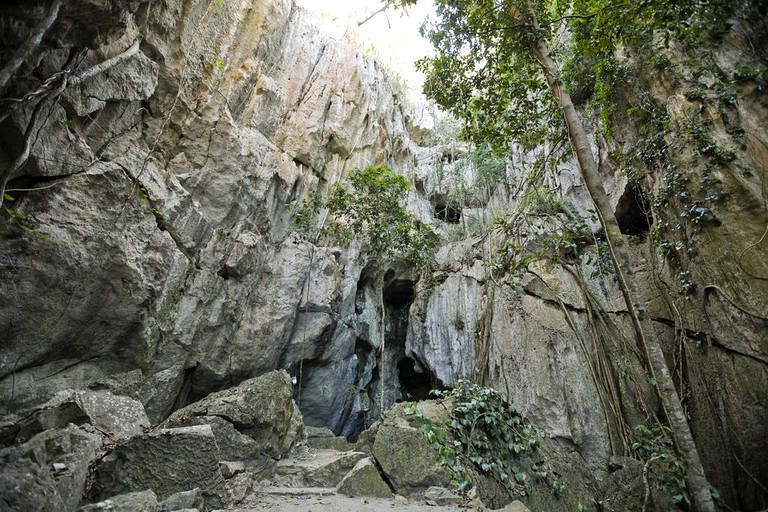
column 393, row 33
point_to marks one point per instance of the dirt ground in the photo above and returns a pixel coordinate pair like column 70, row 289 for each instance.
column 337, row 503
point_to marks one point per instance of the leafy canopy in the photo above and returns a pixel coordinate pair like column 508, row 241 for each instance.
column 484, row 72
column 372, row 211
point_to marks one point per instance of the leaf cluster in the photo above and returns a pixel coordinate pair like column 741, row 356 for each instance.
column 372, row 211
column 485, row 435
column 483, row 73
column 654, row 446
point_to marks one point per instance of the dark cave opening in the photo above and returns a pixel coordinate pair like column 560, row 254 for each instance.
column 399, row 293
column 415, row 383
column 633, row 212
column 447, row 213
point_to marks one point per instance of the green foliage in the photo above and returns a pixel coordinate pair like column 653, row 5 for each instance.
column 490, row 167
column 538, row 199
column 654, row 446
column 373, row 212
column 14, row 214
column 757, row 73
column 482, row 73
column 485, row 435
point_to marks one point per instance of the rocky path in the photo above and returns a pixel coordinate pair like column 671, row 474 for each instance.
column 310, row 502
column 328, row 475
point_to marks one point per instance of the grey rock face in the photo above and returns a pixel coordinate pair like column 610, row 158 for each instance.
column 151, row 251
column 173, row 251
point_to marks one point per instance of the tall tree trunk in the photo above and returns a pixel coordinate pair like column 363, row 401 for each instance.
column 633, row 296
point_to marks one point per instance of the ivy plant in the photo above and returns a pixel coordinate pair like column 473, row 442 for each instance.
column 484, row 435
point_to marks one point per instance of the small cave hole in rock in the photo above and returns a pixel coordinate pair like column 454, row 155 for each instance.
column 633, row 212
column 447, row 213
column 399, row 293
column 415, row 383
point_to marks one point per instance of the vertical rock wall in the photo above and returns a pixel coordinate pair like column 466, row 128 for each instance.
column 149, row 246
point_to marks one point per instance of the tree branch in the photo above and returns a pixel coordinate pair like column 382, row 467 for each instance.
column 81, row 76
column 386, row 6
column 30, row 44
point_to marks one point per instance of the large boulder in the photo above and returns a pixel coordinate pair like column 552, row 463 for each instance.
column 119, row 417
column 49, row 471
column 167, row 461
column 261, row 408
column 405, row 456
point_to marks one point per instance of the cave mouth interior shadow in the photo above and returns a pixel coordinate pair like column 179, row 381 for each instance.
column 415, row 383
column 633, row 213
column 399, row 293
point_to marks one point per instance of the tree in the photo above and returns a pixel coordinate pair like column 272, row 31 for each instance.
column 372, row 212
column 495, row 68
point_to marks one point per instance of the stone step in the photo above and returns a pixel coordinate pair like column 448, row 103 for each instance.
column 315, row 468
column 275, row 490
column 322, row 438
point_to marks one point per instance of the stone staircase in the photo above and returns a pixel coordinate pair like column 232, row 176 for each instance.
column 328, row 474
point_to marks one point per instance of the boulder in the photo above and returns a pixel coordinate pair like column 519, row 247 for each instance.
column 235, row 447
column 364, row 480
column 405, row 456
column 49, row 471
column 119, row 417
column 261, row 408
column 316, row 468
column 440, row 496
column 27, row 486
column 141, row 501
column 323, row 438
column 515, row 506
column 184, row 500
column 167, row 461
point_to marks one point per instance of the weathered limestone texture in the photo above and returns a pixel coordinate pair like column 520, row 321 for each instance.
column 149, row 254
column 166, row 461
column 160, row 226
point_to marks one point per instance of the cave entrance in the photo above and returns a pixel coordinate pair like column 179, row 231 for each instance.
column 444, row 210
column 415, row 383
column 399, row 293
column 633, row 213
column 447, row 213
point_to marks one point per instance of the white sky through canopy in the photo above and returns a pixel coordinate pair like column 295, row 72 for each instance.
column 393, row 34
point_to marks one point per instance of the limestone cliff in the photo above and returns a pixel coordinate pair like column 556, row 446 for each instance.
column 156, row 152
column 149, row 241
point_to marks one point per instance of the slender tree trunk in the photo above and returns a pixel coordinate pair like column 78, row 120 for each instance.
column 633, row 296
